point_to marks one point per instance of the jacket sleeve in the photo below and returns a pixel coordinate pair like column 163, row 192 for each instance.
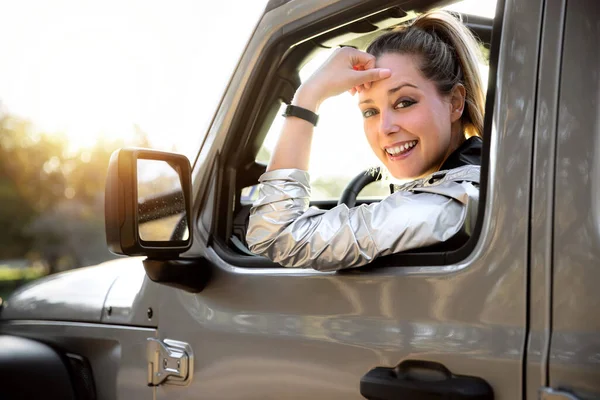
column 283, row 228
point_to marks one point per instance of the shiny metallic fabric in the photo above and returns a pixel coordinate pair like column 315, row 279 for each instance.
column 423, row 212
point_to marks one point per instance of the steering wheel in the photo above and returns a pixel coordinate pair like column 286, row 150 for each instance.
column 357, row 184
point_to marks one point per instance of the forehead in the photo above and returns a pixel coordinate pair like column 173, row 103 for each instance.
column 404, row 68
column 398, row 63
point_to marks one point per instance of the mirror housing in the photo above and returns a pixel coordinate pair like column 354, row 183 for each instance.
column 134, row 176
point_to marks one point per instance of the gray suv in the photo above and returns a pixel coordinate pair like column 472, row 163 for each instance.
column 510, row 314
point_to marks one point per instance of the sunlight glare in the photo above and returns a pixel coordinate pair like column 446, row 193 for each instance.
column 110, row 69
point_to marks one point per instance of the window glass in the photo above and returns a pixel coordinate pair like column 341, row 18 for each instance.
column 340, row 150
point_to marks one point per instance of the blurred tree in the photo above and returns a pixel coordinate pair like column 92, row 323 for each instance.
column 32, row 162
column 52, row 198
column 15, row 214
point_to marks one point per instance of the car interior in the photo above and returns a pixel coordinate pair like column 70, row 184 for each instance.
column 280, row 70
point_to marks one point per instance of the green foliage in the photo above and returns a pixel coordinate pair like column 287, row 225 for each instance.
column 51, row 197
column 18, row 274
column 14, row 214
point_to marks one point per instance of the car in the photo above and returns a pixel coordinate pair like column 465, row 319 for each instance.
column 510, row 314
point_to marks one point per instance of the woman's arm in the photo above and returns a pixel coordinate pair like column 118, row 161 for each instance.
column 284, row 229
column 335, row 76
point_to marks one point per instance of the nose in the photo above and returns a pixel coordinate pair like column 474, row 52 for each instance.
column 387, row 123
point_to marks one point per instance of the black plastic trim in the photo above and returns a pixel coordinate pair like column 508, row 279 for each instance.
column 190, row 275
column 81, row 376
column 401, row 382
column 32, row 370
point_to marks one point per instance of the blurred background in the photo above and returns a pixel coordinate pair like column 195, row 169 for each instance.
column 79, row 79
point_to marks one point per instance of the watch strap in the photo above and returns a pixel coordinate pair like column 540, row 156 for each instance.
column 302, row 113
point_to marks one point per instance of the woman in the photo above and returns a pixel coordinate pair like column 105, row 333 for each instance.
column 422, row 101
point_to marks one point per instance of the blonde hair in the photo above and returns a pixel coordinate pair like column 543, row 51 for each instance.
column 449, row 55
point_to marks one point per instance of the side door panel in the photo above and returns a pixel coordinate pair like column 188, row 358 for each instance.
column 575, row 347
column 542, row 207
column 281, row 333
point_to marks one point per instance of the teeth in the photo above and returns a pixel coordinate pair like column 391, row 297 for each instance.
column 401, row 149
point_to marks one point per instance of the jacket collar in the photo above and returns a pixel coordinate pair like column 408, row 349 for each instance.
column 469, row 153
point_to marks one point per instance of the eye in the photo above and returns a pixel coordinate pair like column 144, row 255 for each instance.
column 369, row 113
column 404, row 104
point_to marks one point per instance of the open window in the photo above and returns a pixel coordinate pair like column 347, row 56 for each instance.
column 334, row 162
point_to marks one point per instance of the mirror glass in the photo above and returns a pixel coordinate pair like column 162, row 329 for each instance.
column 161, row 205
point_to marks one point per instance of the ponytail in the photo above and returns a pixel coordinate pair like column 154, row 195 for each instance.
column 449, row 56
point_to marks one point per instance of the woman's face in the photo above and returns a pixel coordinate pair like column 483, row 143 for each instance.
column 408, row 124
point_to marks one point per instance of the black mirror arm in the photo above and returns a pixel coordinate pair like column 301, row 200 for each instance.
column 189, row 275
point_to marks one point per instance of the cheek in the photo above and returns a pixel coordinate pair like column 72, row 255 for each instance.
column 372, row 136
column 434, row 126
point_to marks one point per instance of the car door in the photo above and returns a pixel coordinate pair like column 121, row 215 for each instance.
column 268, row 332
column 574, row 352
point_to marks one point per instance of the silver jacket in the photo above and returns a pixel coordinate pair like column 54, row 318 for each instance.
column 423, row 212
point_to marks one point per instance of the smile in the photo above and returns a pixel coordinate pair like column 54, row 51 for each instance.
column 395, row 151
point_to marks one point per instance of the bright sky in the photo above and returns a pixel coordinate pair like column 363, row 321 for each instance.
column 90, row 68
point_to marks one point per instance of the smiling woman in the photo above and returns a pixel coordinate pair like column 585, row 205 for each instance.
column 339, row 147
column 422, row 103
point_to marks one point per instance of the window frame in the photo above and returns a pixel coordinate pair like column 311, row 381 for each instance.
column 234, row 175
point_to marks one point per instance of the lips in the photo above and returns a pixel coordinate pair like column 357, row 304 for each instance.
column 401, row 148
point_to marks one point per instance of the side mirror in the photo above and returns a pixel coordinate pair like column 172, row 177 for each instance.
column 148, row 203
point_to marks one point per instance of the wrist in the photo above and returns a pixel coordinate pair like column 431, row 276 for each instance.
column 307, row 97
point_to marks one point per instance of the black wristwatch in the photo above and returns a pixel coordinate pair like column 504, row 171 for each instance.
column 302, row 113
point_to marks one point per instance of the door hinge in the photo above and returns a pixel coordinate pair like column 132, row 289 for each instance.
column 170, row 362
column 552, row 394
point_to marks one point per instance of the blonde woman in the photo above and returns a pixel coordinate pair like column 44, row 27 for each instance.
column 421, row 98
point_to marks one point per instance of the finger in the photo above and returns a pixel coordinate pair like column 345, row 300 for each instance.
column 371, row 75
column 370, row 63
column 365, row 59
column 352, row 91
column 367, row 85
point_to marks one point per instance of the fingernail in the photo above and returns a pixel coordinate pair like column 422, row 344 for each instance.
column 385, row 72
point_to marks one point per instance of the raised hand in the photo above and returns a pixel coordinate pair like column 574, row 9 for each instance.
column 347, row 69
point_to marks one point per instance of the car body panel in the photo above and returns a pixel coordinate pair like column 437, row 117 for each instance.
column 575, row 349
column 117, row 355
column 132, row 298
column 542, row 207
column 114, row 292
column 76, row 295
column 285, row 333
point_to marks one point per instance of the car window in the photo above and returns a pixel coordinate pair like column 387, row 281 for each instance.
column 340, row 150
column 81, row 79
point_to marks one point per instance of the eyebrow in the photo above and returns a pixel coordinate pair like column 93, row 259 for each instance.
column 390, row 92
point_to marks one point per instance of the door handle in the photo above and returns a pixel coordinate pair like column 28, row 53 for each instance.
column 422, row 380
